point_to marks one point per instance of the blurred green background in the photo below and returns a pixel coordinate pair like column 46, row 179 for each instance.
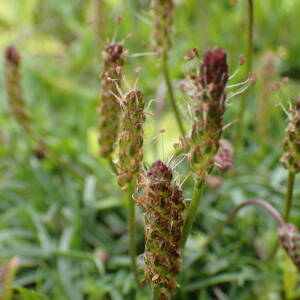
column 65, row 219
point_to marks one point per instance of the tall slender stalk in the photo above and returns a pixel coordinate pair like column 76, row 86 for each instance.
column 287, row 208
column 130, row 155
column 135, row 5
column 99, row 10
column 166, row 73
column 155, row 293
column 289, row 195
column 192, row 212
column 131, row 228
column 241, row 115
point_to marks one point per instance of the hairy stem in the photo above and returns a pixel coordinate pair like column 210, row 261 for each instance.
column 131, row 227
column 171, row 93
column 289, row 195
column 267, row 206
column 241, row 115
column 192, row 211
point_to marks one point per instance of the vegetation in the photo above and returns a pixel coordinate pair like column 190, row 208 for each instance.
column 150, row 149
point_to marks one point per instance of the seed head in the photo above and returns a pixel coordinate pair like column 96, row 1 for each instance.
column 109, row 109
column 130, row 141
column 207, row 93
column 163, row 14
column 289, row 238
column 13, row 86
column 291, row 146
column 163, row 205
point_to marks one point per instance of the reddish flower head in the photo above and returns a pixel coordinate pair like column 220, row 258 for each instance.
column 159, row 171
column 214, row 71
column 115, row 52
column 12, row 55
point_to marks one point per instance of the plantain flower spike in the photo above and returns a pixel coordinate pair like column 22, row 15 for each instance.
column 130, row 140
column 109, row 109
column 291, row 146
column 163, row 15
column 289, row 238
column 163, row 205
column 207, row 92
column 14, row 90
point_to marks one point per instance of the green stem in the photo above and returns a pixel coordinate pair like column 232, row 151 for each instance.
column 230, row 217
column 100, row 10
column 289, row 195
column 192, row 211
column 287, row 208
column 250, row 34
column 155, row 294
column 136, row 5
column 131, row 227
column 171, row 93
column 241, row 115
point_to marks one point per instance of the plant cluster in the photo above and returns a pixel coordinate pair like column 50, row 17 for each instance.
column 158, row 189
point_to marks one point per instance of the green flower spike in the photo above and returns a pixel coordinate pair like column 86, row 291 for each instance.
column 109, row 109
column 163, row 205
column 130, row 141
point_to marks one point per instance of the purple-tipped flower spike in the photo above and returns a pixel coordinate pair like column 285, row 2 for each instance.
column 109, row 109
column 224, row 156
column 14, row 90
column 207, row 92
column 289, row 238
column 163, row 205
column 214, row 73
column 163, row 14
column 291, row 156
column 130, row 141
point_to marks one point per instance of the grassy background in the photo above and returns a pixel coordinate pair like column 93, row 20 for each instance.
column 65, row 219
